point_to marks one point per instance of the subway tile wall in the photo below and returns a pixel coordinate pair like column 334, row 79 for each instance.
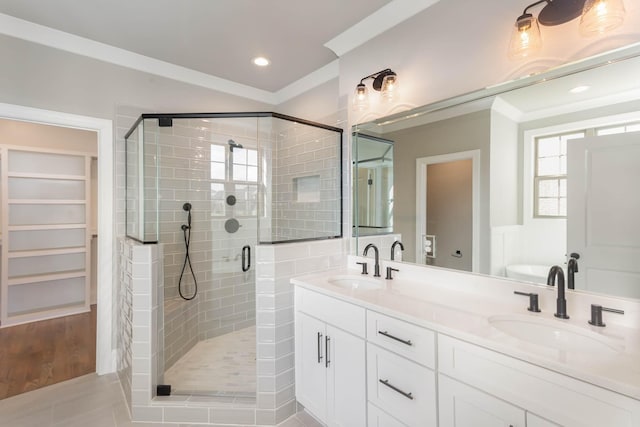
column 276, row 264
column 182, row 158
column 305, row 182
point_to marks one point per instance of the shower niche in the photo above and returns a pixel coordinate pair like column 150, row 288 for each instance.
column 249, row 179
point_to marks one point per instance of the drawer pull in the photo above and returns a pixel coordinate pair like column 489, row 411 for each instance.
column 396, row 389
column 327, row 340
column 319, row 347
column 388, row 335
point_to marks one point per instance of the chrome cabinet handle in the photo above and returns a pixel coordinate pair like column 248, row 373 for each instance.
column 397, row 390
column 388, row 335
column 327, row 340
column 319, row 347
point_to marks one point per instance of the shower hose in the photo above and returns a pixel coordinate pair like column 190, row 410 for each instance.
column 186, row 231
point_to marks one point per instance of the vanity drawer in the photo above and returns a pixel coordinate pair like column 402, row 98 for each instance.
column 561, row 399
column 379, row 418
column 403, row 389
column 411, row 341
column 345, row 316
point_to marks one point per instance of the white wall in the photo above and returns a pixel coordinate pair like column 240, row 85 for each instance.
column 457, row 46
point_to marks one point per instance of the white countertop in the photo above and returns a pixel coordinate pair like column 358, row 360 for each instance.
column 463, row 311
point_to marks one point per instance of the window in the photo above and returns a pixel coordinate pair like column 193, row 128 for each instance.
column 233, row 173
column 550, row 178
column 623, row 128
column 550, row 168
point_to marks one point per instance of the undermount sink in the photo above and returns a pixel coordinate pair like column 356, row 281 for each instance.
column 356, row 282
column 554, row 334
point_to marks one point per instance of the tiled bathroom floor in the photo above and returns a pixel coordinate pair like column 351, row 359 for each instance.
column 218, row 366
column 89, row 400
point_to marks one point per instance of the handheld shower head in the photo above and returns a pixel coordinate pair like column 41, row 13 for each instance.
column 187, row 207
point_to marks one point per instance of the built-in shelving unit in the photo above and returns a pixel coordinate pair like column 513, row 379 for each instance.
column 45, row 268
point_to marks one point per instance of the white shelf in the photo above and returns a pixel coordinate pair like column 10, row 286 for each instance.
column 37, row 278
column 49, row 313
column 48, row 258
column 45, row 227
column 44, row 252
column 45, row 202
column 45, row 176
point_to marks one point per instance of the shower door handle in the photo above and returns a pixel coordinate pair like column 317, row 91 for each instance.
column 246, row 258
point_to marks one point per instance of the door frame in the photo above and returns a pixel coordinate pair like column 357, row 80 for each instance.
column 105, row 350
column 421, row 199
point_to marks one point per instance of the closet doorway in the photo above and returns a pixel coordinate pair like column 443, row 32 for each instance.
column 49, row 254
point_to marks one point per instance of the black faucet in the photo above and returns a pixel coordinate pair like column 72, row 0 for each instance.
column 561, row 301
column 393, row 248
column 377, row 258
column 572, row 268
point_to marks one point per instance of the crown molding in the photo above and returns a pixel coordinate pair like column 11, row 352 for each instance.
column 377, row 23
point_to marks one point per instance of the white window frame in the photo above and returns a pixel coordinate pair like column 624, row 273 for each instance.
column 528, row 150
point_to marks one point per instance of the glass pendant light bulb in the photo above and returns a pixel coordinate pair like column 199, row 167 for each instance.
column 600, row 16
column 525, row 38
column 360, row 98
column 389, row 89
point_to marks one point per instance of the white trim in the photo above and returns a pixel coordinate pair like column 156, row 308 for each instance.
column 527, row 150
column 377, row 23
column 311, row 80
column 57, row 39
column 104, row 130
column 421, row 200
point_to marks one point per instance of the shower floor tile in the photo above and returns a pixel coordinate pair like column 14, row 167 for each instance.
column 224, row 365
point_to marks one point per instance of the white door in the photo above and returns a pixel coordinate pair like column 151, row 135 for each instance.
column 463, row 204
column 603, row 207
column 346, row 381
column 464, row 406
column 311, row 373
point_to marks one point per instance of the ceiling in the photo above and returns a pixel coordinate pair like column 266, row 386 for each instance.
column 215, row 37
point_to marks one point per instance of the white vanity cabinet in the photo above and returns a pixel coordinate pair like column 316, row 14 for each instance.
column 401, row 382
column 464, row 406
column 330, row 359
column 560, row 399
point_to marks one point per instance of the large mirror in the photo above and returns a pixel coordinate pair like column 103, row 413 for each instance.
column 372, row 185
column 511, row 182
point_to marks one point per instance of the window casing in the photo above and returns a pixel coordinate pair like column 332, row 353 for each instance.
column 550, row 167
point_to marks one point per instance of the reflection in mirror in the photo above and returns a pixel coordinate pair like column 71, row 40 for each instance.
column 557, row 171
column 372, row 185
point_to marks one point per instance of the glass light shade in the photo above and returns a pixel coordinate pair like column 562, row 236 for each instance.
column 600, row 16
column 525, row 38
column 389, row 89
column 360, row 98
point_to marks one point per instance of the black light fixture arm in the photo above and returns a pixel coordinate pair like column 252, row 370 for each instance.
column 526, row 9
column 377, row 78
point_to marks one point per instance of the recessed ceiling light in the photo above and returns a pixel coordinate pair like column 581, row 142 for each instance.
column 261, row 61
column 579, row 89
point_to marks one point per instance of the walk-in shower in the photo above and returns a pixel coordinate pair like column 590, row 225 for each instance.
column 241, row 180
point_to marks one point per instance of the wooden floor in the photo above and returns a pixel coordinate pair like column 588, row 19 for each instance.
column 39, row 354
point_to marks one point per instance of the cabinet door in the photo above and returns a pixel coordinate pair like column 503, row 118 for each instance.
column 311, row 373
column 346, row 383
column 465, row 406
column 536, row 421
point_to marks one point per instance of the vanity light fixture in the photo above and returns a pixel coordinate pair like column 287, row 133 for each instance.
column 597, row 17
column 385, row 82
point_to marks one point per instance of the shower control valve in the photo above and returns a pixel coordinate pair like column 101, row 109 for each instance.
column 185, row 227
